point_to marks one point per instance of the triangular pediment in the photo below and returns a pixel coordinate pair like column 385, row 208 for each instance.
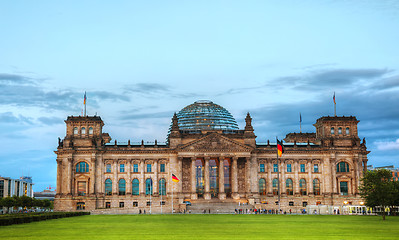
column 215, row 142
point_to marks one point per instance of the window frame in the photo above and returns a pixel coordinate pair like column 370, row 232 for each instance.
column 302, row 168
column 262, row 167
column 289, row 167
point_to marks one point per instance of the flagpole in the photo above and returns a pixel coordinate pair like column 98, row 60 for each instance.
column 335, row 106
column 172, row 196
column 300, row 123
column 278, row 179
column 84, row 101
column 161, row 199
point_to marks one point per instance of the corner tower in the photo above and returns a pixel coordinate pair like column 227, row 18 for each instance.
column 337, row 131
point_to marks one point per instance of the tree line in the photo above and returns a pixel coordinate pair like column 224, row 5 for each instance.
column 379, row 190
column 25, row 202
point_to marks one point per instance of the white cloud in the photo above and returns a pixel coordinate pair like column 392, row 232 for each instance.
column 389, row 145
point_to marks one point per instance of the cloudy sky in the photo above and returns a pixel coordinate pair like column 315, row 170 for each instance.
column 140, row 61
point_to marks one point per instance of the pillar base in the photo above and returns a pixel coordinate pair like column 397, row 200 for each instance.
column 194, row 196
column 222, row 196
column 235, row 196
column 207, row 196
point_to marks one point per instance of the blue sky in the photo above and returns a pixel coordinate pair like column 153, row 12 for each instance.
column 140, row 61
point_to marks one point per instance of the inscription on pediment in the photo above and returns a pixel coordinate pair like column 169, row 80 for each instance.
column 215, row 143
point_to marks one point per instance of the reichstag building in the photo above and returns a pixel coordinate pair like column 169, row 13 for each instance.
column 217, row 164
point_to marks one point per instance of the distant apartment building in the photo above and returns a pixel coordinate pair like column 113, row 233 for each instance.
column 394, row 171
column 16, row 187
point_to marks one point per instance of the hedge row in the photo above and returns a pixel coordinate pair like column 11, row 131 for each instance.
column 18, row 219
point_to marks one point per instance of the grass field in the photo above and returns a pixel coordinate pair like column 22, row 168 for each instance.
column 207, row 227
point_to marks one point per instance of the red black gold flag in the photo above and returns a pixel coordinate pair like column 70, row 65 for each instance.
column 334, row 98
column 174, row 178
column 280, row 148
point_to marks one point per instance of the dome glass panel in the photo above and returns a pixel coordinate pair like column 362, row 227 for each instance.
column 205, row 115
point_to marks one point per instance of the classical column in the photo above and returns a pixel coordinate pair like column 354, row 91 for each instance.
column 296, row 175
column 142, row 178
column 364, row 166
column 129, row 179
column 234, row 179
column 334, row 177
column 309, row 181
column 155, row 183
column 115, row 177
column 92, row 174
column 68, row 163
column 59, row 176
column 254, row 175
column 248, row 176
column 180, row 173
column 99, row 174
column 282, row 177
column 207, row 194
column 222, row 194
column 269, row 178
column 193, row 179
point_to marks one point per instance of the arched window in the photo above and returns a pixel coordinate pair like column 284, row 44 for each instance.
column 262, row 186
column 347, row 131
column 83, row 131
column 332, row 131
column 162, row 187
column 316, row 186
column 148, row 186
column 135, row 187
column 302, row 186
column 289, row 187
column 342, row 167
column 340, row 130
column 75, row 131
column 275, row 186
column 122, row 187
column 108, row 187
column 90, row 130
column 82, row 167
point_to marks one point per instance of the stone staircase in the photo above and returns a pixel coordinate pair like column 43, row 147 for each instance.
column 216, row 206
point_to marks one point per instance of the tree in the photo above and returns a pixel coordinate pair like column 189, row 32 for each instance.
column 26, row 202
column 8, row 202
column 378, row 189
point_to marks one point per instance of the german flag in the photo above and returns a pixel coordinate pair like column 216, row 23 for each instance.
column 174, row 178
column 280, row 148
column 84, row 99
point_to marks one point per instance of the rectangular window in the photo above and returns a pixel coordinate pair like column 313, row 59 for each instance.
column 304, row 204
column 148, row 203
column 275, row 168
column 122, row 168
column 121, row 204
column 262, row 167
column 316, row 168
column 291, row 203
column 343, row 186
column 149, row 168
column 108, row 205
column 163, row 203
column 108, row 168
column 162, row 168
column 135, row 168
column 289, row 169
column 302, row 167
column 135, row 204
column 1, row 188
column 81, row 188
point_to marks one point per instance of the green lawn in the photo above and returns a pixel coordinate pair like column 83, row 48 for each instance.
column 207, row 227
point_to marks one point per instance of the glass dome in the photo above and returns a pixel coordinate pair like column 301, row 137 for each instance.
column 205, row 115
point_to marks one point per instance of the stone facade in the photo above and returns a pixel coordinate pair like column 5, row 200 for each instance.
column 213, row 165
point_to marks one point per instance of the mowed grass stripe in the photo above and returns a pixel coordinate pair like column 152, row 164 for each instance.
column 207, row 227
